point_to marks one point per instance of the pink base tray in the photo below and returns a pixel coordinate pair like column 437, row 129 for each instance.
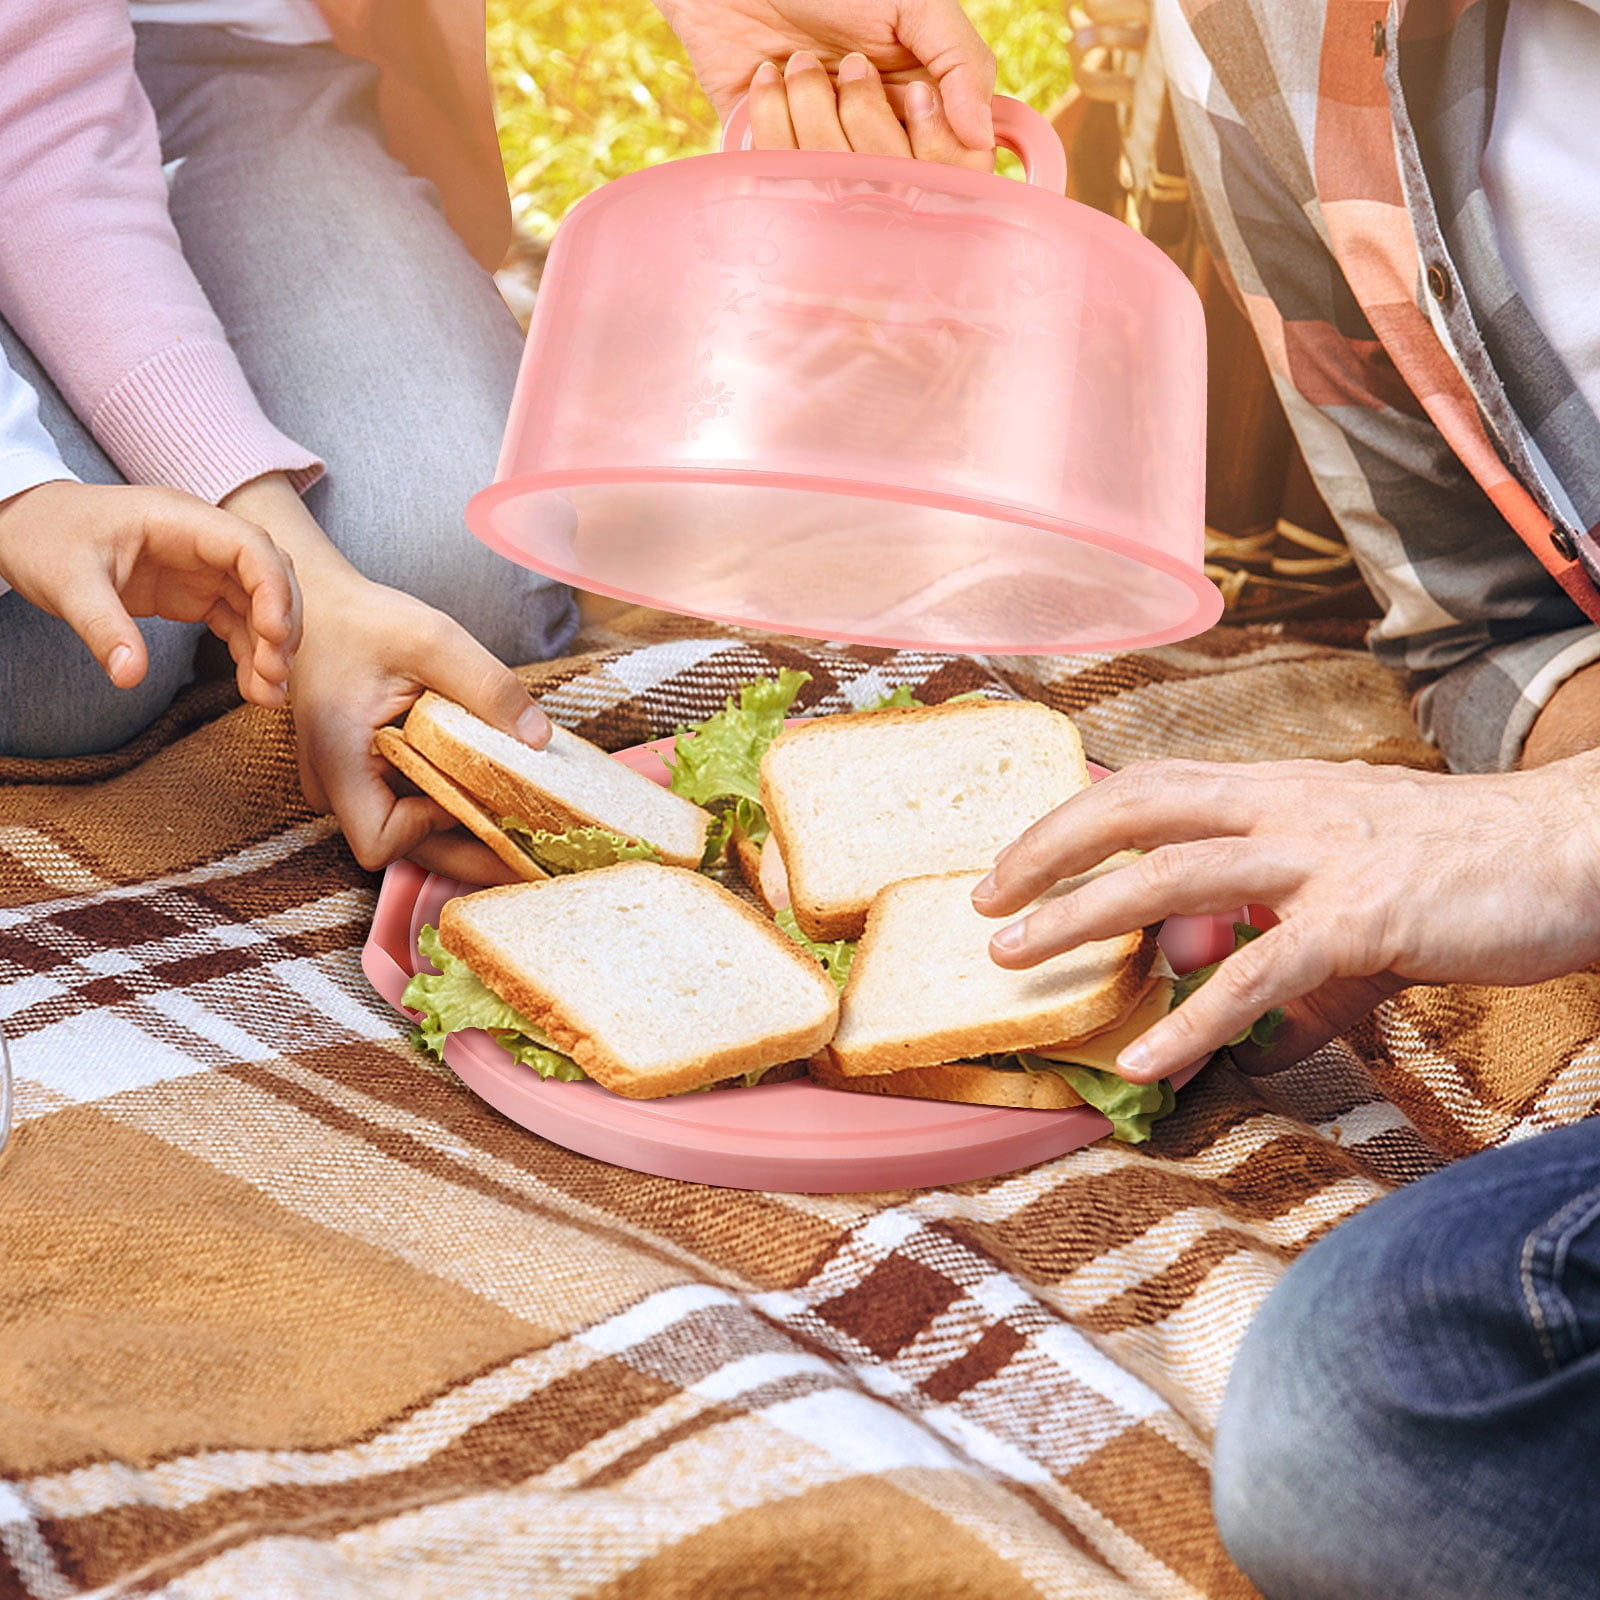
column 795, row 1137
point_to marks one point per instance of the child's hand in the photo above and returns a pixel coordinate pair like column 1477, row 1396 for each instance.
column 800, row 108
column 368, row 652
column 99, row 556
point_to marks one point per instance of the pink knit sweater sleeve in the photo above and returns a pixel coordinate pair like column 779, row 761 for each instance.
column 92, row 275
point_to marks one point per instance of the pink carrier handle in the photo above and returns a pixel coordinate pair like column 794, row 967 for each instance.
column 1016, row 126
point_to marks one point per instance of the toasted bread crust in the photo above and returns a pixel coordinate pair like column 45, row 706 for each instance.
column 827, row 923
column 826, row 920
column 784, row 1072
column 961, row 1082
column 393, row 746
column 544, row 1009
column 1135, row 956
column 509, row 794
column 760, row 868
column 1066, row 1045
column 747, row 858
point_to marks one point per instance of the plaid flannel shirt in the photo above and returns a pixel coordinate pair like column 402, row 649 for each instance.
column 1334, row 153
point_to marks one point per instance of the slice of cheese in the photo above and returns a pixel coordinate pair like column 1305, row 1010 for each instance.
column 1102, row 1050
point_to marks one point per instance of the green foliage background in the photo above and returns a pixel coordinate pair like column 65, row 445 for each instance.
column 592, row 89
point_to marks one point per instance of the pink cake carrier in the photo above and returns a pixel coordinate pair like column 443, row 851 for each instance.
column 866, row 399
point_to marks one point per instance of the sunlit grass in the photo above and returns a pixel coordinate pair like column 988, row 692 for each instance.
column 592, row 89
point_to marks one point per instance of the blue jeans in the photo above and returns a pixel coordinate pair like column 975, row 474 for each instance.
column 1415, row 1413
column 368, row 333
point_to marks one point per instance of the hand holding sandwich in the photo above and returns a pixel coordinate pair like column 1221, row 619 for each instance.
column 1381, row 877
column 367, row 654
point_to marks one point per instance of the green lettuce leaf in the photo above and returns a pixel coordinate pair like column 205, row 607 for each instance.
column 542, row 1058
column 578, row 849
column 720, row 758
column 1263, row 1030
column 718, row 837
column 456, row 998
column 1132, row 1107
column 835, row 957
column 901, row 695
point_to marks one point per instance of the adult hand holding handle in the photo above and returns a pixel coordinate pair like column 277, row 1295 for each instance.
column 802, row 108
column 904, row 40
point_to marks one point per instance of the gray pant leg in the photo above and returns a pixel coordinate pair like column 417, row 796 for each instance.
column 54, row 698
column 367, row 331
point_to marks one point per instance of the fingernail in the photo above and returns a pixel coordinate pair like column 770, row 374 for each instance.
column 120, row 657
column 803, row 61
column 853, row 68
column 919, row 100
column 531, row 725
column 1011, row 936
column 984, row 889
column 767, row 73
column 1135, row 1060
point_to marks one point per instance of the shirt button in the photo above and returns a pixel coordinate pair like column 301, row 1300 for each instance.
column 1566, row 545
column 1439, row 284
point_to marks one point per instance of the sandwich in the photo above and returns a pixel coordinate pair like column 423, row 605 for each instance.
column 651, row 980
column 859, row 801
column 819, row 816
column 927, row 1014
column 924, row 1012
column 568, row 807
column 869, row 800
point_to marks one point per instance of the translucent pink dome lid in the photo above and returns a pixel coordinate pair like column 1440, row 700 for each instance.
column 868, row 399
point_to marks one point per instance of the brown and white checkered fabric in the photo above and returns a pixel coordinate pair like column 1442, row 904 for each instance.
column 286, row 1312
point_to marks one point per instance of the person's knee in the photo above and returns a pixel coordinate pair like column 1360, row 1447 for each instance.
column 1395, row 1381
column 1291, row 1434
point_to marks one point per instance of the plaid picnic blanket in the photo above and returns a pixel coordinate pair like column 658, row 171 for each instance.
column 286, row 1311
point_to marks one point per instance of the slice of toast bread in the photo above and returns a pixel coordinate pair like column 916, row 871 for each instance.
column 872, row 797
column 969, row 1083
column 653, row 979
column 568, row 784
column 979, row 1083
column 391, row 744
column 923, row 990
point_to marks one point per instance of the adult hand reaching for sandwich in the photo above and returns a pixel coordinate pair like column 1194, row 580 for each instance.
column 904, row 40
column 1382, row 877
column 367, row 652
